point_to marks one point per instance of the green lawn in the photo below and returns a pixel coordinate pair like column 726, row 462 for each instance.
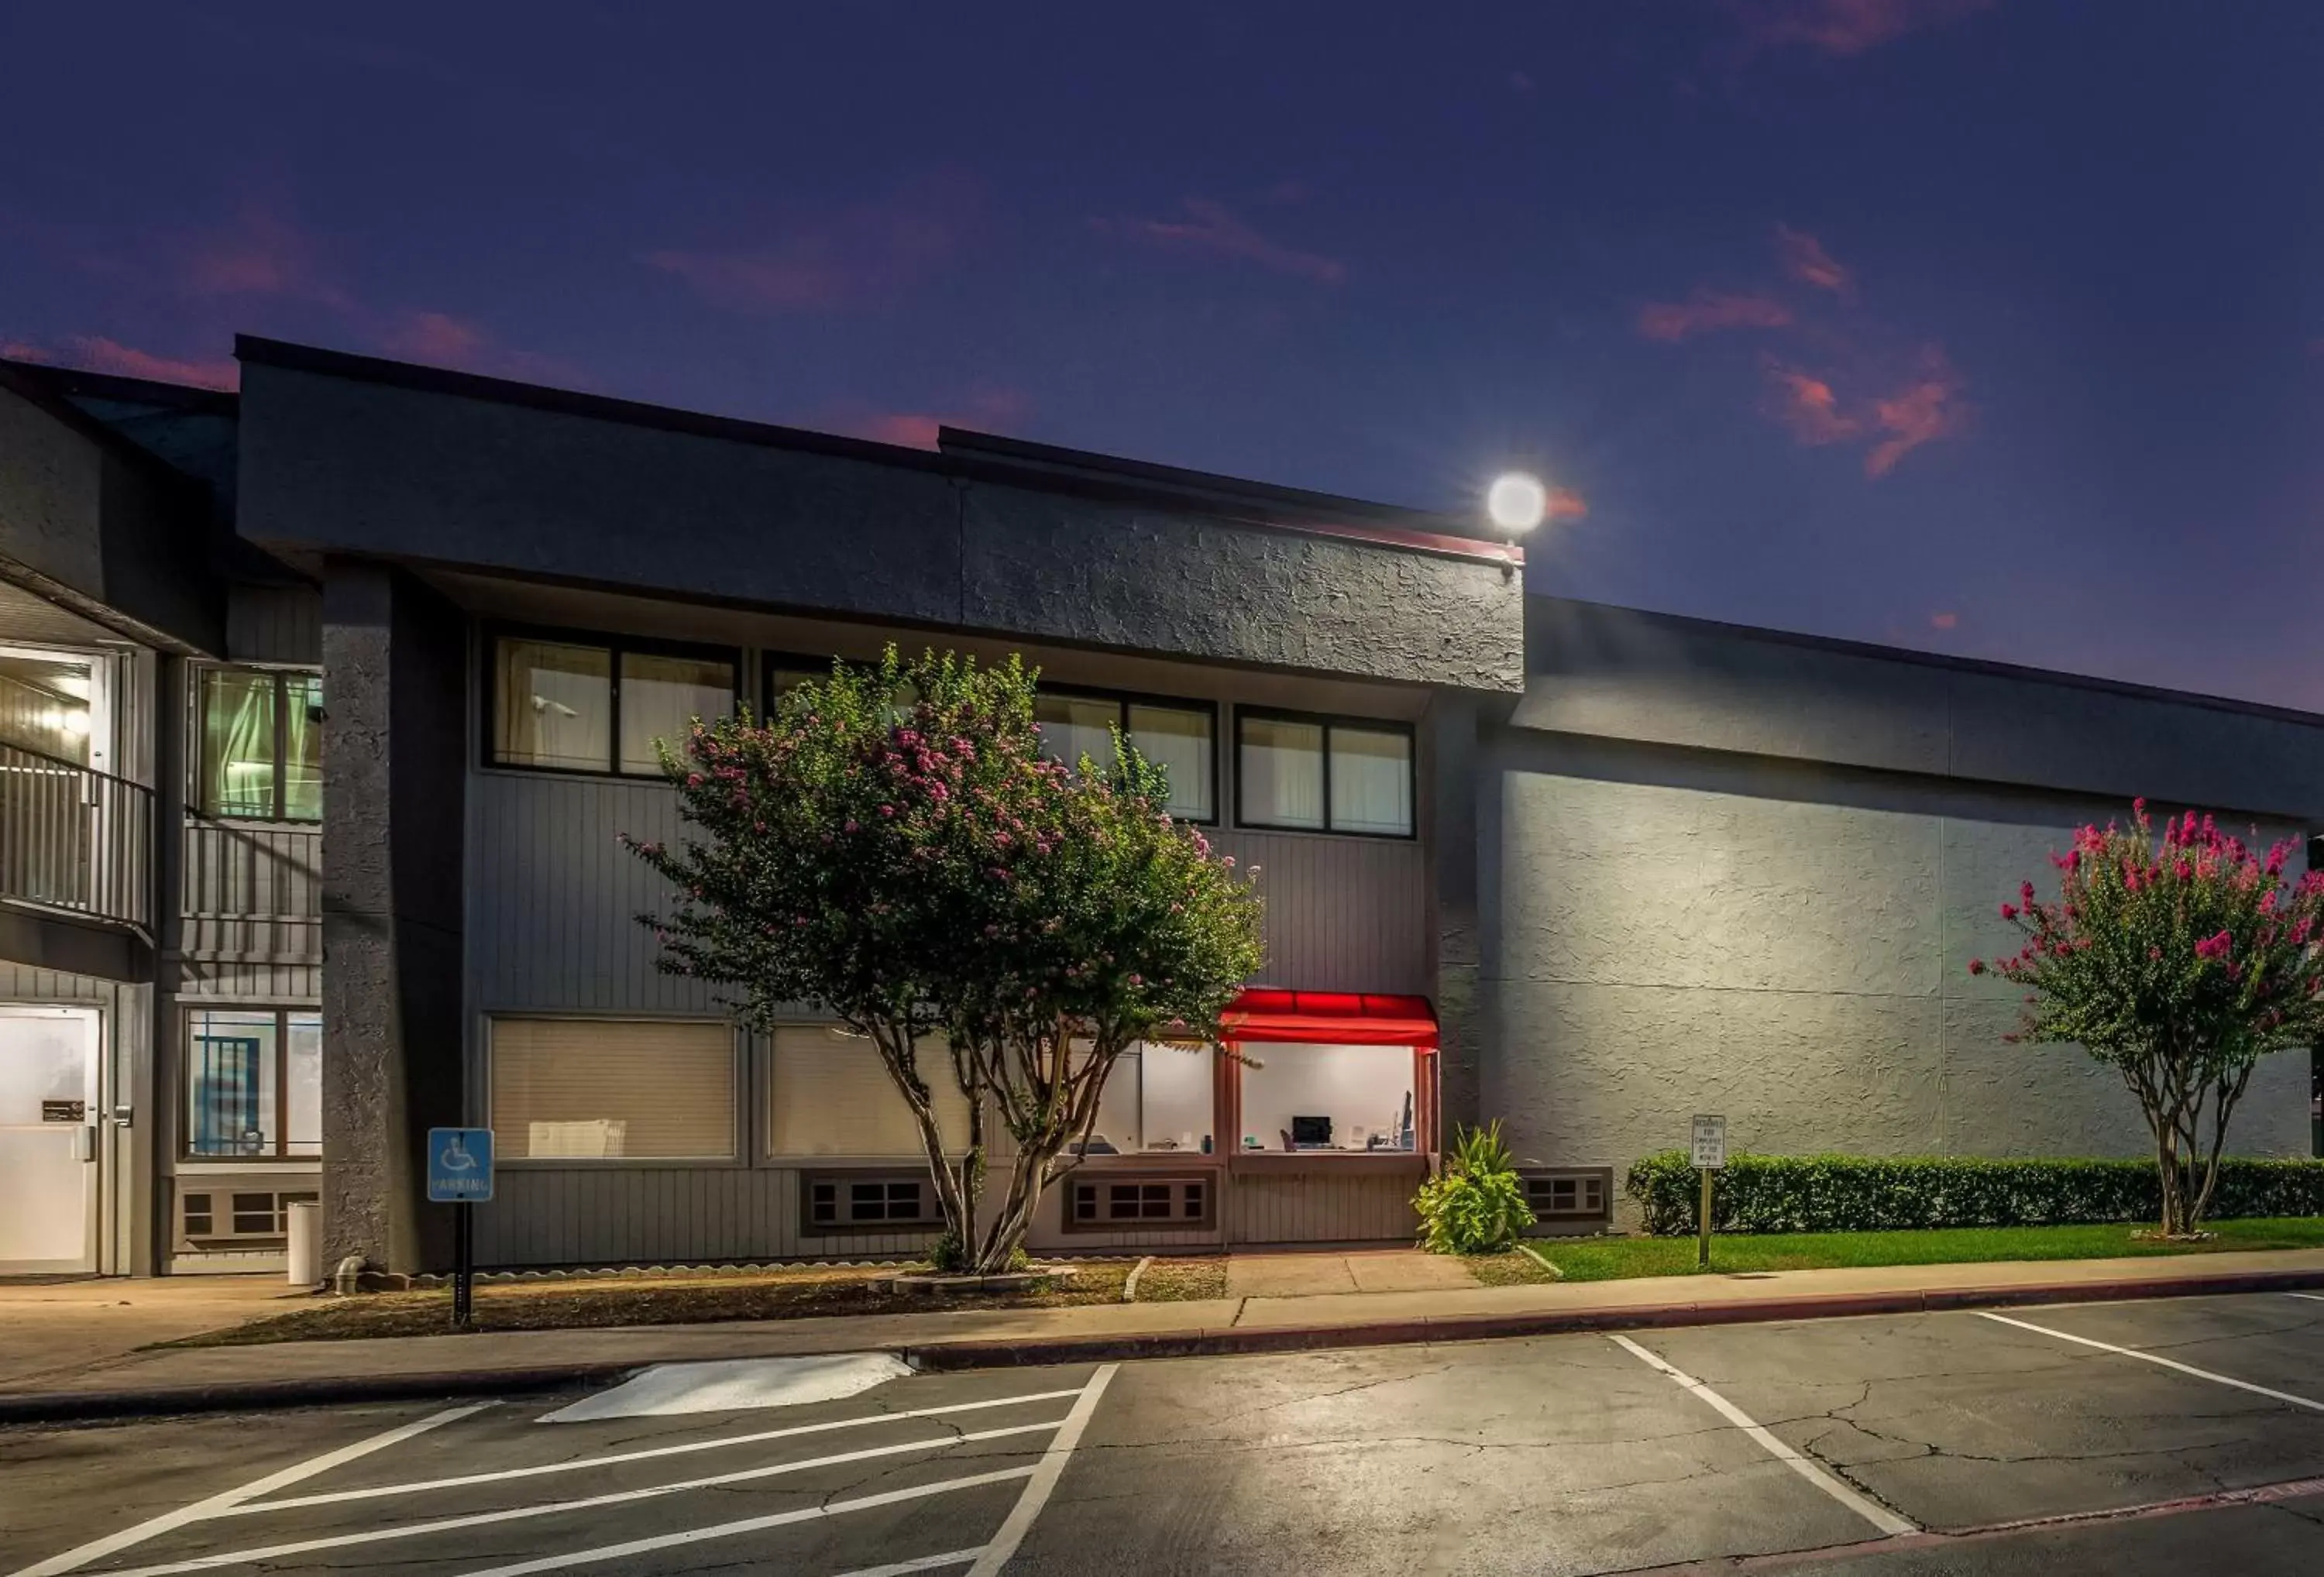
column 1610, row 1259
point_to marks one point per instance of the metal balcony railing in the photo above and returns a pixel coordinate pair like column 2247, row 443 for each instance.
column 74, row 839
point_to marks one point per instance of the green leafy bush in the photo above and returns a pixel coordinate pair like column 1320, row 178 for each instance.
column 1477, row 1204
column 1850, row 1193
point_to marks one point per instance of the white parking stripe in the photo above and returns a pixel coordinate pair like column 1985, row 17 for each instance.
column 919, row 1564
column 553, row 1507
column 750, row 1525
column 1871, row 1510
column 220, row 1504
column 2225, row 1380
column 422, row 1486
column 2313, row 1297
column 1046, row 1474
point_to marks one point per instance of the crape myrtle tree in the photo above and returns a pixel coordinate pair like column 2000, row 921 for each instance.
column 892, row 846
column 2180, row 962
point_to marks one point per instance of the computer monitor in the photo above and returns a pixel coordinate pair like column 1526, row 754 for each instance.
column 1311, row 1131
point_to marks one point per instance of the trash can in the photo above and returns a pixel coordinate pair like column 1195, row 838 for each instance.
column 305, row 1242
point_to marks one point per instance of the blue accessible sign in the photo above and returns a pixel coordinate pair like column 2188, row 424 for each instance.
column 459, row 1164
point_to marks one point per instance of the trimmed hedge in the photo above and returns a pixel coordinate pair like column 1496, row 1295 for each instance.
column 1855, row 1193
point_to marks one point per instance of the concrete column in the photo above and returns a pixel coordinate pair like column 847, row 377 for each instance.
column 395, row 686
column 1449, row 752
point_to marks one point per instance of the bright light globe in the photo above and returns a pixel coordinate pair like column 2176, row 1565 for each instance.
column 1516, row 502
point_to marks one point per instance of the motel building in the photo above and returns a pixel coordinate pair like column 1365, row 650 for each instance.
column 322, row 707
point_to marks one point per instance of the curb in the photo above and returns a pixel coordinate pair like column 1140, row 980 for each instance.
column 961, row 1355
column 70, row 1406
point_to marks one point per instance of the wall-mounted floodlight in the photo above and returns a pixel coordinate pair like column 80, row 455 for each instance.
column 1516, row 502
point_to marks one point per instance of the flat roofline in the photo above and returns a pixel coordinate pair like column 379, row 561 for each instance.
column 983, row 457
column 1984, row 667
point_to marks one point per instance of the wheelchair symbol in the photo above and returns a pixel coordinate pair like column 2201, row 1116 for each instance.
column 456, row 1158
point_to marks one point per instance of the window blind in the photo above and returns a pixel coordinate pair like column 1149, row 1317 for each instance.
column 613, row 1090
column 831, row 1095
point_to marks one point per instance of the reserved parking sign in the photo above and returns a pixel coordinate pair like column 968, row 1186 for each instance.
column 1709, row 1142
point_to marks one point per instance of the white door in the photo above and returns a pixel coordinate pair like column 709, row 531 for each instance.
column 47, row 1140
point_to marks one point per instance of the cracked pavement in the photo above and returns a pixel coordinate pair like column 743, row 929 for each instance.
column 2007, row 1449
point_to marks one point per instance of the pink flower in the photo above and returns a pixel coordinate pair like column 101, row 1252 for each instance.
column 2214, row 946
column 1977, row 966
column 2009, row 911
column 889, row 810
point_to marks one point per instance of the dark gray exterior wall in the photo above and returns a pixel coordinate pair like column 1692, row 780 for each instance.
column 1725, row 870
column 342, row 465
column 113, row 534
column 395, row 658
column 1619, row 674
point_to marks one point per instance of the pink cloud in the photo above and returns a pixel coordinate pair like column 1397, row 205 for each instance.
column 1566, row 505
column 1211, row 227
column 442, row 340
column 1707, row 311
column 1807, row 405
column 917, row 429
column 1804, row 258
column 1845, row 27
column 1944, row 620
column 94, row 353
column 263, row 255
column 1926, row 409
column 434, row 337
column 865, row 256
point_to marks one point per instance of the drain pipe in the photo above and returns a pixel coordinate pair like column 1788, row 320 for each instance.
column 346, row 1280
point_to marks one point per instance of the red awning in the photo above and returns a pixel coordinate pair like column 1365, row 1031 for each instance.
column 1330, row 1018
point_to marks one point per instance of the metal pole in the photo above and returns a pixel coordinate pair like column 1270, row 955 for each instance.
column 463, row 1268
column 1702, row 1226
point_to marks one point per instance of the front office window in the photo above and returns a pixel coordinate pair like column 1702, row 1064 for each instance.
column 612, row 1090
column 1329, row 1099
column 564, row 704
column 1301, row 773
column 1158, row 1099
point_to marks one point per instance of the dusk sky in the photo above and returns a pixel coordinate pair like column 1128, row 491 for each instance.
column 1987, row 326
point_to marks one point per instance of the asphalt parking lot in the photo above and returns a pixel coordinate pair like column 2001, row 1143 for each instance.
column 2158, row 1436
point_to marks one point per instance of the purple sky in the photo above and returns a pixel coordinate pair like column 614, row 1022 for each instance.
column 1993, row 327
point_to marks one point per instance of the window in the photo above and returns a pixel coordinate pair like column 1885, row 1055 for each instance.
column 1330, row 1100
column 831, row 1095
column 564, row 705
column 1321, row 774
column 1110, row 1204
column 253, row 1083
column 785, row 674
column 842, row 1202
column 261, row 745
column 1576, row 1195
column 1178, row 736
column 612, row 1090
column 1157, row 1100
column 236, row 1217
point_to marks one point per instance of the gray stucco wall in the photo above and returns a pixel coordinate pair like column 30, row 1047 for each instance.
column 1669, row 931
column 113, row 530
column 396, row 655
column 339, row 463
column 1620, row 674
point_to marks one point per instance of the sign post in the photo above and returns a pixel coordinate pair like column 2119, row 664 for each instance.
column 1709, row 1156
column 460, row 1174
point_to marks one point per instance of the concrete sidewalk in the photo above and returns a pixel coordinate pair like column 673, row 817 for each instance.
column 290, row 1374
column 58, row 1328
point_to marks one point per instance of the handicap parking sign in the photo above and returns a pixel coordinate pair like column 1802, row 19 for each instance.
column 459, row 1164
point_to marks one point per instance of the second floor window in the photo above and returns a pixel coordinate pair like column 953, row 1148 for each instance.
column 261, row 745
column 1174, row 735
column 1323, row 774
column 570, row 706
